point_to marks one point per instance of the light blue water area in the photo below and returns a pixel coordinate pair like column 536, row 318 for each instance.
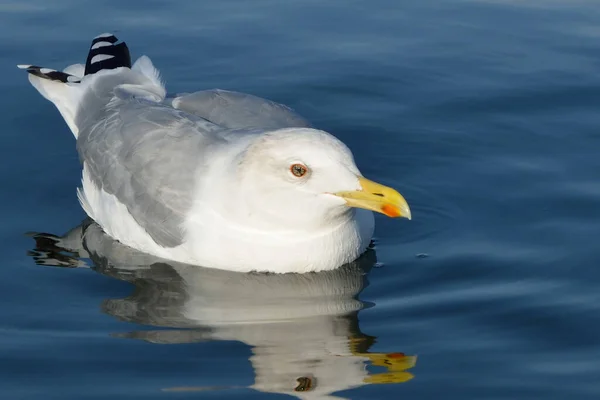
column 484, row 114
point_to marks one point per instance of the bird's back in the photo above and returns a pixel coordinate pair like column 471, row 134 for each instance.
column 141, row 150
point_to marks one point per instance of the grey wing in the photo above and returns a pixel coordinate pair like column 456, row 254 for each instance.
column 147, row 154
column 239, row 110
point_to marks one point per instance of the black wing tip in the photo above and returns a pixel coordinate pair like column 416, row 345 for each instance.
column 50, row 74
column 106, row 53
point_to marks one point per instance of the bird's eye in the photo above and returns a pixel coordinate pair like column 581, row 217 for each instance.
column 298, row 170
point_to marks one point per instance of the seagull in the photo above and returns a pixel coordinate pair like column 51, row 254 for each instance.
column 214, row 178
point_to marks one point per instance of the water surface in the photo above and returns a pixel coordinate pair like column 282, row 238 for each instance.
column 482, row 113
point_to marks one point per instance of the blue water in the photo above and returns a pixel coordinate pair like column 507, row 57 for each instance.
column 484, row 114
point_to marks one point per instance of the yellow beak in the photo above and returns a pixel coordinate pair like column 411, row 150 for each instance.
column 376, row 197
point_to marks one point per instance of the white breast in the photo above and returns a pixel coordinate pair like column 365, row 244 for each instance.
column 214, row 244
column 219, row 244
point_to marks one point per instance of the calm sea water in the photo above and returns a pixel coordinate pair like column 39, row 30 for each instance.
column 484, row 113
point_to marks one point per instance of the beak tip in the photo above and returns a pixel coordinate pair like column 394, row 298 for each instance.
column 403, row 211
column 376, row 197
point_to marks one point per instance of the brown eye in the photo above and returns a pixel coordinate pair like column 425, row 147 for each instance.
column 299, row 170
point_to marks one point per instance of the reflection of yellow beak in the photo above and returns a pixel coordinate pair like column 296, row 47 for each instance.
column 376, row 197
column 396, row 365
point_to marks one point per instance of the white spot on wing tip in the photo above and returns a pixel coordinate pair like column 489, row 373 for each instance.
column 46, row 70
column 101, row 57
column 104, row 35
column 101, row 44
column 23, row 66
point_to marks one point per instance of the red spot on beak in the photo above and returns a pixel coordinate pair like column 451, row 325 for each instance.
column 390, row 210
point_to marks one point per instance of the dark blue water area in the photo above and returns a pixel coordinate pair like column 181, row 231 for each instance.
column 483, row 114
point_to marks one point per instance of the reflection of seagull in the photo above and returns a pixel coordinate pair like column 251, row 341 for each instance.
column 303, row 328
column 215, row 178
